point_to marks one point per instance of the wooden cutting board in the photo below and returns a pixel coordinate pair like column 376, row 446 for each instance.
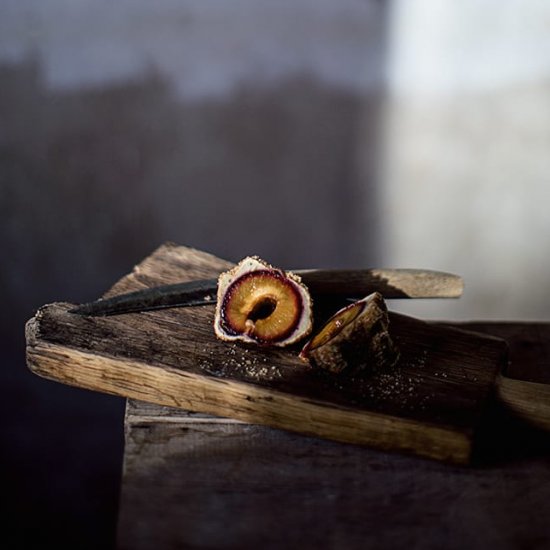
column 430, row 405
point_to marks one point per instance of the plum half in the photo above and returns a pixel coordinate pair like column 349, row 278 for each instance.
column 355, row 338
column 257, row 303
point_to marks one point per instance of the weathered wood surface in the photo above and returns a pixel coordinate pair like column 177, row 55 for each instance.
column 346, row 284
column 391, row 283
column 194, row 481
column 430, row 405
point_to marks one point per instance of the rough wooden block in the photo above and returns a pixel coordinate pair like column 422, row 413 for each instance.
column 430, row 404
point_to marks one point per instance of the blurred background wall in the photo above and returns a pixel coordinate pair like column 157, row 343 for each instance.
column 310, row 132
column 239, row 127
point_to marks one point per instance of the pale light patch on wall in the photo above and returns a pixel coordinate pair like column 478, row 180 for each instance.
column 467, row 170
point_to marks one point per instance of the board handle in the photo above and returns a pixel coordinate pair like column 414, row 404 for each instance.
column 391, row 283
column 530, row 401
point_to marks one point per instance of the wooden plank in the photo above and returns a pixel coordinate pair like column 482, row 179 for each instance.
column 193, row 481
column 391, row 283
column 212, row 484
column 527, row 343
column 343, row 284
column 430, row 405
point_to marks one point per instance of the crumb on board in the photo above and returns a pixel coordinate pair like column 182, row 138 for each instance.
column 240, row 362
column 402, row 387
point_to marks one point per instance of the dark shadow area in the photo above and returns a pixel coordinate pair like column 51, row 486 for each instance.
column 61, row 461
column 504, row 438
column 93, row 180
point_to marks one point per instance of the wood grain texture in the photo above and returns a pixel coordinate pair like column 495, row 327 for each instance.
column 346, row 284
column 528, row 344
column 430, row 405
column 212, row 483
column 391, row 283
column 197, row 481
column 528, row 400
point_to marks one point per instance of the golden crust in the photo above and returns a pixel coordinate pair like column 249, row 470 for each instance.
column 363, row 343
column 255, row 263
